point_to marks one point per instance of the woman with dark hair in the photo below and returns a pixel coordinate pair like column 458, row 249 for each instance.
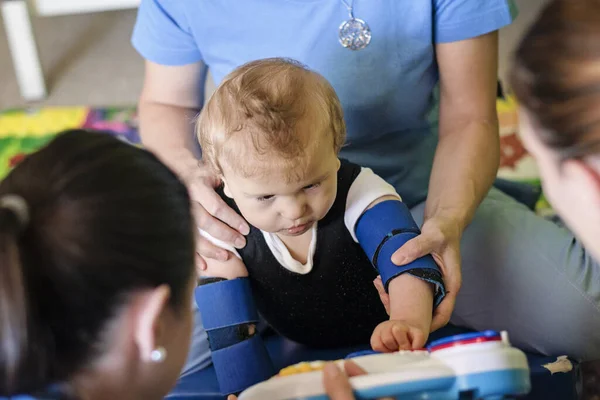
column 556, row 78
column 96, row 272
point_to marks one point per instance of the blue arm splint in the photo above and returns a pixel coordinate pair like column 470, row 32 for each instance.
column 240, row 359
column 382, row 230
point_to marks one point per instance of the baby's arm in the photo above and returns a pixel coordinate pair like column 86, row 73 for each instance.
column 230, row 269
column 228, row 313
column 411, row 305
column 217, row 271
column 385, row 224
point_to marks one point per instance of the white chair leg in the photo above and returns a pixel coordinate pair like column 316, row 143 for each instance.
column 23, row 49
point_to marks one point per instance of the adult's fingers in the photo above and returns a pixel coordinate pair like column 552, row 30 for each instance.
column 415, row 248
column 383, row 296
column 215, row 206
column 216, row 228
column 206, row 249
column 336, row 383
column 443, row 312
column 452, row 275
column 353, row 369
column 200, row 264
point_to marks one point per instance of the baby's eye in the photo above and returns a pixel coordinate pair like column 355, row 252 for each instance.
column 313, row 186
column 265, row 198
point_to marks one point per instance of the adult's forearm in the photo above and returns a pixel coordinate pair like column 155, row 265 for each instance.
column 464, row 168
column 167, row 130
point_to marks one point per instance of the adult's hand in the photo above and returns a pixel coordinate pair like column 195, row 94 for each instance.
column 170, row 100
column 211, row 213
column 337, row 385
column 439, row 237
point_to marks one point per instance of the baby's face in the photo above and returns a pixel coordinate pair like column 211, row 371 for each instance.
column 287, row 202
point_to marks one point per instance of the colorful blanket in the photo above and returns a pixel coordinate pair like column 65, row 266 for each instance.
column 24, row 131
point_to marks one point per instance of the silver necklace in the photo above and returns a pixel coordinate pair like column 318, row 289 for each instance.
column 354, row 33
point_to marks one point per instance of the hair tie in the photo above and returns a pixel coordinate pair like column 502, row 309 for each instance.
column 18, row 206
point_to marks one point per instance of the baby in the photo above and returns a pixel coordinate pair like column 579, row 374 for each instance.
column 272, row 132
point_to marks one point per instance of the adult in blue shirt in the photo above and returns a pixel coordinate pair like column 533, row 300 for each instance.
column 419, row 99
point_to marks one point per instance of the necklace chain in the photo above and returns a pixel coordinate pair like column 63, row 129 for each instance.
column 349, row 7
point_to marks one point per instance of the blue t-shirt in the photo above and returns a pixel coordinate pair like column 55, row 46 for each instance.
column 387, row 89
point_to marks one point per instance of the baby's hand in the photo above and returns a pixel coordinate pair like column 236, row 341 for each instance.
column 390, row 336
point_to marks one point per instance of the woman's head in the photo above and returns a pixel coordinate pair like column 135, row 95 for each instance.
column 96, row 269
column 556, row 77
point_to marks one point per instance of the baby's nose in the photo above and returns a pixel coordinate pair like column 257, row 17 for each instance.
column 295, row 211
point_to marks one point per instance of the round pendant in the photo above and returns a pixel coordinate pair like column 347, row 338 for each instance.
column 355, row 34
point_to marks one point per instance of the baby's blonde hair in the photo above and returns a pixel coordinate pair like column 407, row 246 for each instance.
column 264, row 106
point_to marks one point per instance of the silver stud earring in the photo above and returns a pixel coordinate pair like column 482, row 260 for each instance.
column 158, row 355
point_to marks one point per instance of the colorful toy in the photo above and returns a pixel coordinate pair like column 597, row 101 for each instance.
column 480, row 365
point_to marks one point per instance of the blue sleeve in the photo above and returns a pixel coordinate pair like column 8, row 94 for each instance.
column 162, row 34
column 456, row 20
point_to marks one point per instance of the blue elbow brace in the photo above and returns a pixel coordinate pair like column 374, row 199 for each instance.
column 382, row 230
column 240, row 357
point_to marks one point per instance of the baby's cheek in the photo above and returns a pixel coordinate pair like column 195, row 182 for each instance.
column 260, row 217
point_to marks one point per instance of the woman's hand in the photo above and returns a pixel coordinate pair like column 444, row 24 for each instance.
column 439, row 237
column 337, row 385
column 211, row 213
column 170, row 99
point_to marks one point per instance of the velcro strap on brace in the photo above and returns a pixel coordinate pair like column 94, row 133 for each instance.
column 242, row 365
column 382, row 230
column 227, row 311
column 226, row 303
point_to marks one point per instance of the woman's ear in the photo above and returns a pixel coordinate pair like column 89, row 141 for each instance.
column 149, row 325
